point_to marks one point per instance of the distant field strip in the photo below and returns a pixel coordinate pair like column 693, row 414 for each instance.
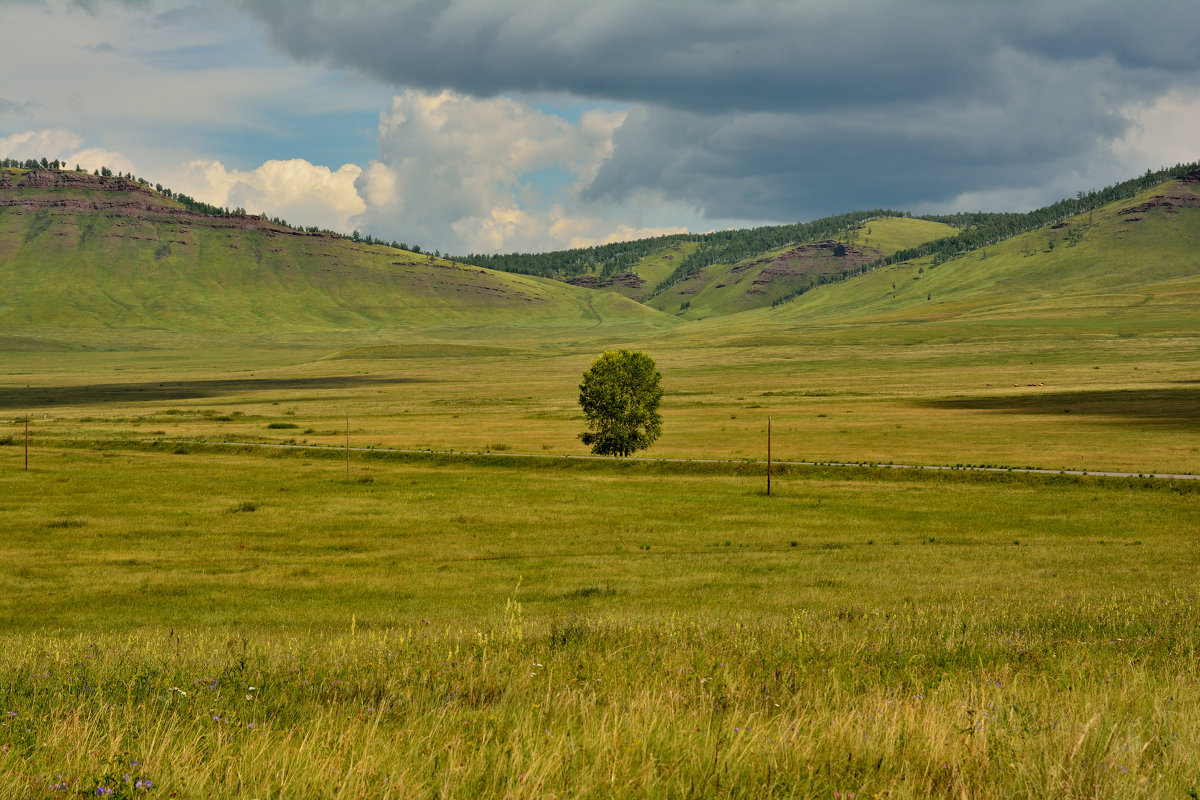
column 646, row 460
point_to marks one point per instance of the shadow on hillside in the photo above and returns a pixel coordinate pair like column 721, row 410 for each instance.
column 1179, row 406
column 46, row 396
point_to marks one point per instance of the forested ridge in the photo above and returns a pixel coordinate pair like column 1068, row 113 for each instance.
column 983, row 229
column 732, row 246
column 978, row 229
column 717, row 247
column 609, row 259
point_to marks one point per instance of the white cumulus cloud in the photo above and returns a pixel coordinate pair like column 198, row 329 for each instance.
column 64, row 145
column 487, row 175
column 454, row 173
column 1163, row 132
column 300, row 192
column 47, row 143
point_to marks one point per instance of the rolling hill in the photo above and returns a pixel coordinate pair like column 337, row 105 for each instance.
column 660, row 271
column 767, row 278
column 90, row 258
column 108, row 261
column 1133, row 259
column 731, row 272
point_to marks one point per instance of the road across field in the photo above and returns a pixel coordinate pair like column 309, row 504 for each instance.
column 1174, row 476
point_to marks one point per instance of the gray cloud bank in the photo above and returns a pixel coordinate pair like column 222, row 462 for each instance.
column 780, row 110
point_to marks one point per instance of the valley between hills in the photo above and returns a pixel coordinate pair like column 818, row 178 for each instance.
column 1070, row 345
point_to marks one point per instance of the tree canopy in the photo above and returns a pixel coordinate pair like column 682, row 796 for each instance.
column 620, row 394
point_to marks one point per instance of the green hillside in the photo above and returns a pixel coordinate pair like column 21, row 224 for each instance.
column 770, row 277
column 890, row 234
column 725, row 272
column 1136, row 259
column 938, row 360
column 87, row 257
column 108, row 261
column 638, row 279
column 645, row 269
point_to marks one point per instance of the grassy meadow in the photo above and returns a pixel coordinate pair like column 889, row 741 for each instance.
column 245, row 624
column 250, row 623
column 890, row 234
column 947, row 394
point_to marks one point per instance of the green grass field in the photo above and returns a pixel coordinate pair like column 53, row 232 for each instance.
column 444, row 626
column 1020, row 396
column 238, row 623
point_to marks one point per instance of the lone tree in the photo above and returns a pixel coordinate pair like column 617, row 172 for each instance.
column 620, row 396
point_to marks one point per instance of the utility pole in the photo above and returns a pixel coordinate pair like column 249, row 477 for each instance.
column 347, row 445
column 27, row 442
column 768, row 456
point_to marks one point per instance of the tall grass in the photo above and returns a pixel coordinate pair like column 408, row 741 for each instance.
column 1046, row 698
column 598, row 631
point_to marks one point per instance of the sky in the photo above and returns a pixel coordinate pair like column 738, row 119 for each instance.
column 472, row 126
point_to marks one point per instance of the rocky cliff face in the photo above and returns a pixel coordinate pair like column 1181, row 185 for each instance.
column 52, row 188
column 818, row 258
column 68, row 179
column 1175, row 196
column 629, row 279
column 66, row 192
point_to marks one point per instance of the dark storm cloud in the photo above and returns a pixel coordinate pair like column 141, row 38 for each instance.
column 777, row 110
column 899, row 154
column 725, row 56
column 711, row 57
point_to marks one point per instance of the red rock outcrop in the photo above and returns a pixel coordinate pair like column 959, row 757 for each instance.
column 821, row 258
column 629, row 279
column 69, row 191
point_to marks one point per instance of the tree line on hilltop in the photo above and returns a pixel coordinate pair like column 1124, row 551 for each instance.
column 976, row 229
column 606, row 259
column 717, row 247
column 198, row 206
column 732, row 246
column 980, row 229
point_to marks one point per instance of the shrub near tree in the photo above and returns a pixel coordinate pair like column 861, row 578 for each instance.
column 620, row 395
